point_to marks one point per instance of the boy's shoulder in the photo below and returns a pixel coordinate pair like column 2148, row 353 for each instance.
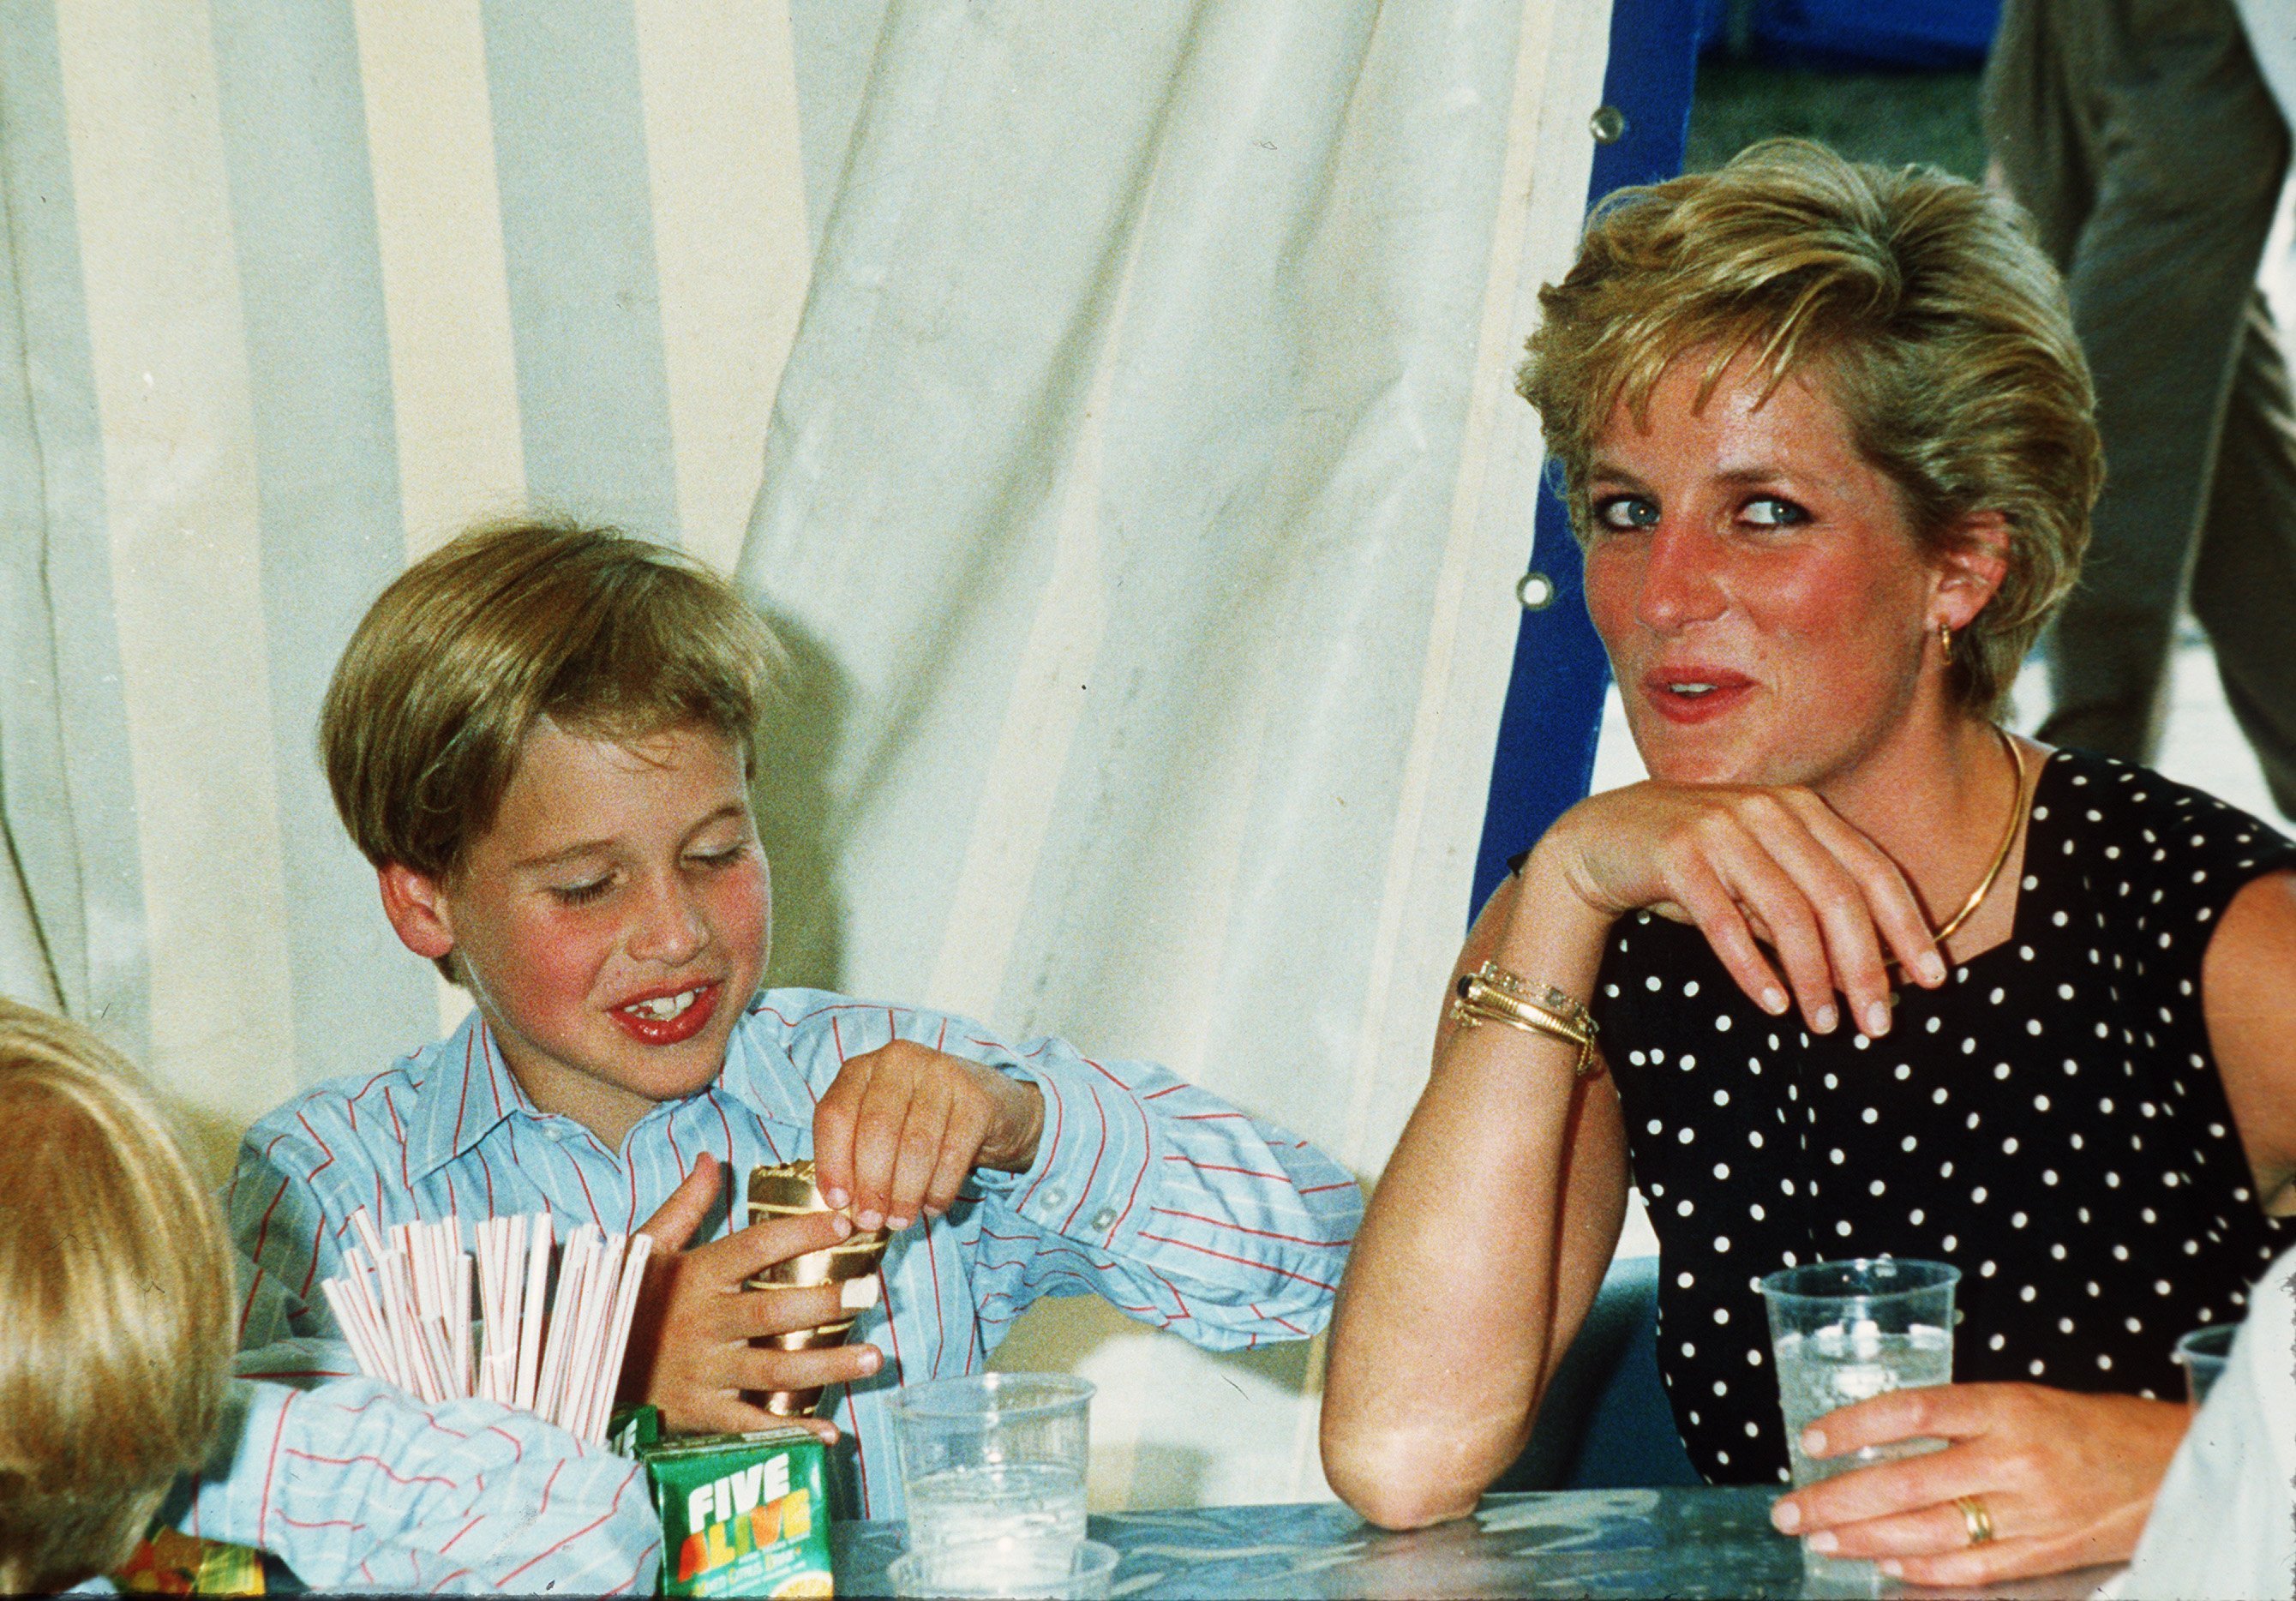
column 376, row 1107
column 812, row 1033
column 807, row 1020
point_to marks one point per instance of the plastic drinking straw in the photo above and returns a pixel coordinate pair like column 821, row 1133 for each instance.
column 589, row 1328
column 339, row 1302
column 626, row 1306
column 364, row 1291
column 573, row 1263
column 530, row 1329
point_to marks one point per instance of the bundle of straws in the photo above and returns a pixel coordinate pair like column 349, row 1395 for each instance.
column 404, row 1307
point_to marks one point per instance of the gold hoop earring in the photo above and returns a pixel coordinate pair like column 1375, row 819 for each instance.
column 1945, row 639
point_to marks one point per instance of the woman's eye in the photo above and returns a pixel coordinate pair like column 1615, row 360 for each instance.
column 1622, row 513
column 1773, row 511
column 581, row 894
column 719, row 859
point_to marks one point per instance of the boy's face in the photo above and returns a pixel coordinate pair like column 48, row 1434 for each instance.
column 614, row 921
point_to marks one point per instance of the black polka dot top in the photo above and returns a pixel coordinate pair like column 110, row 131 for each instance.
column 2050, row 1121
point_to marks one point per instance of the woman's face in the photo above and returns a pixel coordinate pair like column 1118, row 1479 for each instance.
column 1756, row 582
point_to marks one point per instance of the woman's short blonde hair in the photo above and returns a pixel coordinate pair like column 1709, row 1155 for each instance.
column 608, row 637
column 116, row 1306
column 1918, row 302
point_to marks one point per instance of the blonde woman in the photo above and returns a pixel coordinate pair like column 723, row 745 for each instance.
column 1873, row 976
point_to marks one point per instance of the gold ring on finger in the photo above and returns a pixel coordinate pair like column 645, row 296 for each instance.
column 1975, row 1518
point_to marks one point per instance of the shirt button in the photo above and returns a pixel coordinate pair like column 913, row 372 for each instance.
column 1104, row 1219
column 1053, row 1197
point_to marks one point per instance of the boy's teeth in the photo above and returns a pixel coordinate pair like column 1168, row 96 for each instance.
column 663, row 1007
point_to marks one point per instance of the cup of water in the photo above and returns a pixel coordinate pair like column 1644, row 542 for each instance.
column 1845, row 1332
column 2202, row 1355
column 1090, row 1570
column 993, row 1470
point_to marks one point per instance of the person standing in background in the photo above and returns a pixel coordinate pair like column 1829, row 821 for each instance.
column 2142, row 138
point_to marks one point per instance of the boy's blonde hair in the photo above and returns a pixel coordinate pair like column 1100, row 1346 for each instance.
column 608, row 636
column 1917, row 302
column 116, row 1301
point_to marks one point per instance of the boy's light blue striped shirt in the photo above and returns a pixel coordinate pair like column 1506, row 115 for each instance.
column 1182, row 1210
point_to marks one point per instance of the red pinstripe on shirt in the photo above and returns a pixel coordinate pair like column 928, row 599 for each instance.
column 1265, row 1234
column 585, row 1183
column 271, row 1470
column 1084, row 1189
column 569, row 1539
column 941, row 1324
column 1214, row 1167
column 1225, row 1256
column 463, row 1099
column 372, row 1460
column 1052, row 1093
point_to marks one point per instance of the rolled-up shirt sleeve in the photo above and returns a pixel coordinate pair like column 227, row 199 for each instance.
column 1178, row 1207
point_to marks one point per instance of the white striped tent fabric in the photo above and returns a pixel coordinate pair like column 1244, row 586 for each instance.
column 1111, row 401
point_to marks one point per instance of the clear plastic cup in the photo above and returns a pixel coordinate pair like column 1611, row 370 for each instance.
column 1843, row 1332
column 2202, row 1355
column 993, row 1470
column 1085, row 1575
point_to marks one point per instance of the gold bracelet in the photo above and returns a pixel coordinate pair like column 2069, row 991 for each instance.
column 1491, row 994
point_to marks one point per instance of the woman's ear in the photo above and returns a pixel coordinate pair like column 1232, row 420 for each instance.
column 1974, row 561
column 417, row 905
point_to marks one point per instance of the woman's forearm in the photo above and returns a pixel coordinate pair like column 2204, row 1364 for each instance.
column 1484, row 1241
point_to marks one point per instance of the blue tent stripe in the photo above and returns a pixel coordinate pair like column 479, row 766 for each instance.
column 1546, row 754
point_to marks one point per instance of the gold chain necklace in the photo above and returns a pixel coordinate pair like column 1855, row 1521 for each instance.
column 2001, row 852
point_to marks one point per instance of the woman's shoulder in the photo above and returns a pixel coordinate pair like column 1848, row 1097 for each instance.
column 2148, row 825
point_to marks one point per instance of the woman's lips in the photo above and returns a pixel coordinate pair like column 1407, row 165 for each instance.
column 669, row 1016
column 1695, row 696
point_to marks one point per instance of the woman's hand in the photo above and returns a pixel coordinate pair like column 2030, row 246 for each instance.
column 2066, row 1479
column 1750, row 866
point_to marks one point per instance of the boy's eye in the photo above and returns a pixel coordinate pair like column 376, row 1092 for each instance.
column 1622, row 513
column 581, row 894
column 1773, row 511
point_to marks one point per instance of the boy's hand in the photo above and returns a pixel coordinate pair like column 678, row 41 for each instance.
column 904, row 1124
column 690, row 1351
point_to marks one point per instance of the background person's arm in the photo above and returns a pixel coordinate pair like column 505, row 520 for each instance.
column 1485, row 1242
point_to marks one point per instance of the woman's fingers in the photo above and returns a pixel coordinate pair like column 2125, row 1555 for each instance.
column 2063, row 1480
column 1708, row 904
column 1749, row 868
column 1843, row 901
column 1888, row 899
column 1827, row 901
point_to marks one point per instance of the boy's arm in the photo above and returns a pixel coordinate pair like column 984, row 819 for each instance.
column 1170, row 1202
column 287, row 1245
column 1177, row 1207
column 358, row 1487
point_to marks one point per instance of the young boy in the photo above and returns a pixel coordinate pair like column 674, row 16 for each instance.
column 540, row 737
column 118, row 1301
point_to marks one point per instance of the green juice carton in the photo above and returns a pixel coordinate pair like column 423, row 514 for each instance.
column 742, row 1515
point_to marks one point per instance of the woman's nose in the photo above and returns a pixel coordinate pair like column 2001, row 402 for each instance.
column 670, row 927
column 1681, row 578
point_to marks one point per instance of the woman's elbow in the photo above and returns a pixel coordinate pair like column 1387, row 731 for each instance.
column 1395, row 1479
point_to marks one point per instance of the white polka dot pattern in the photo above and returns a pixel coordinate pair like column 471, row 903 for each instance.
column 2051, row 1120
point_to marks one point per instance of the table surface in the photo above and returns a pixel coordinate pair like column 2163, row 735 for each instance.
column 1690, row 1542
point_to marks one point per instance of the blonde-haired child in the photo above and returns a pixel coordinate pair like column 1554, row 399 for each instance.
column 119, row 1312
column 115, row 1293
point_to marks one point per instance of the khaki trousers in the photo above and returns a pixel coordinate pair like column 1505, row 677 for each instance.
column 2142, row 138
